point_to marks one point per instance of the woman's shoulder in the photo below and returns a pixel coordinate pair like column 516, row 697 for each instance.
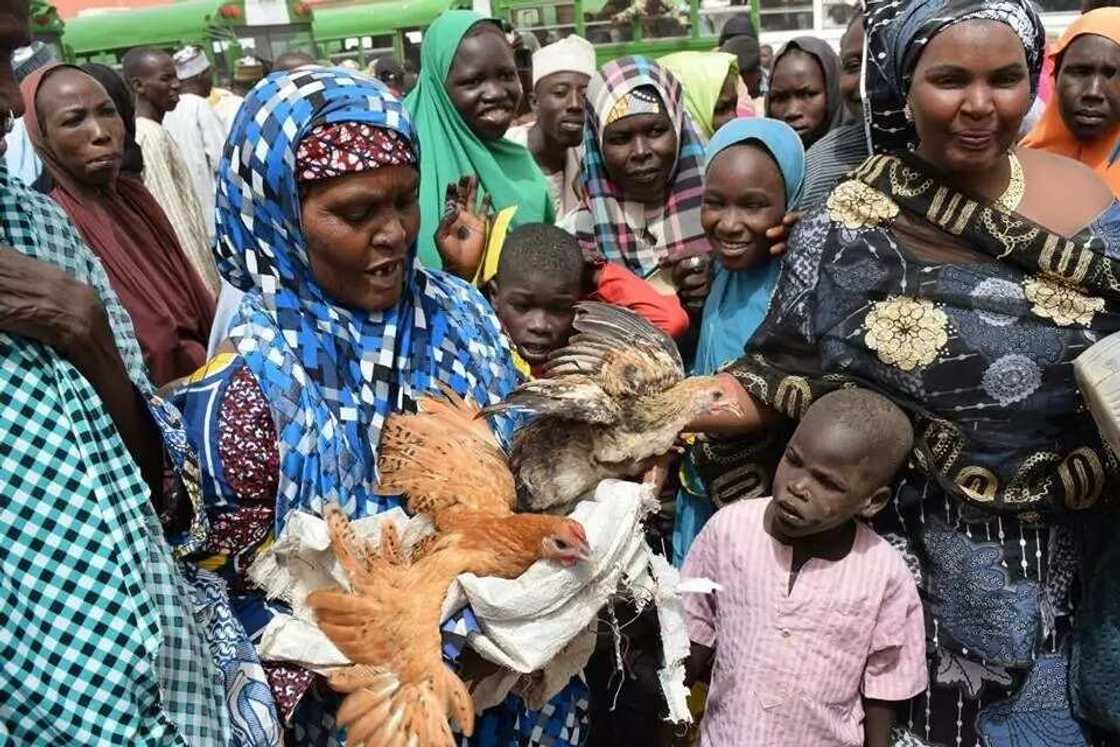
column 1070, row 193
column 456, row 296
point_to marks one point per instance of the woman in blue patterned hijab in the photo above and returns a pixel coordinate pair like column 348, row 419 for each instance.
column 340, row 325
column 331, row 369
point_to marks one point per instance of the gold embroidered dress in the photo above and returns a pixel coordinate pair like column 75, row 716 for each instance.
column 969, row 317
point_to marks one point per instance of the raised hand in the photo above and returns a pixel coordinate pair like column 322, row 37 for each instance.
column 464, row 229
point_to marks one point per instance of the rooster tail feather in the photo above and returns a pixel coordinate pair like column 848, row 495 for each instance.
column 382, row 711
column 458, row 700
column 348, row 548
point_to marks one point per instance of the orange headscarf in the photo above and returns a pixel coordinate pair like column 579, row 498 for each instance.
column 1051, row 133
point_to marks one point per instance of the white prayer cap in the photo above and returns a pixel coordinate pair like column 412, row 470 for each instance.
column 189, row 62
column 572, row 54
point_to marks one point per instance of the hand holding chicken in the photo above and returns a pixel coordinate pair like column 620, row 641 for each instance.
column 448, row 464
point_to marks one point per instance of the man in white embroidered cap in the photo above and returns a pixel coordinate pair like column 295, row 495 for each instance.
column 560, row 75
column 197, row 129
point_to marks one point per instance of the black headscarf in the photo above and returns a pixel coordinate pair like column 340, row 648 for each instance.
column 746, row 50
column 133, row 161
column 740, row 25
column 829, row 62
column 896, row 35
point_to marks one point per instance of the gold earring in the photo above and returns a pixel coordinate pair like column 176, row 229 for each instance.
column 907, row 113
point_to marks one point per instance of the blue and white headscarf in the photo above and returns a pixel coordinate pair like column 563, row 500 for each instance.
column 333, row 374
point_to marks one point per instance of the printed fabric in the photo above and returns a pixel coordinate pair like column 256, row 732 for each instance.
column 97, row 642
column 292, row 418
column 349, row 148
column 630, row 233
column 969, row 318
column 332, row 374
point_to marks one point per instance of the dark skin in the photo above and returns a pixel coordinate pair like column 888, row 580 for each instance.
column 483, row 83
column 828, row 476
column 200, row 85
column 13, row 35
column 639, row 153
column 851, row 65
column 766, row 56
column 744, row 196
column 798, row 96
column 968, row 96
column 358, row 229
column 558, row 102
column 537, row 312
column 1088, row 87
column 40, row 302
column 155, row 85
column 292, row 60
column 463, row 231
column 82, row 127
column 724, row 110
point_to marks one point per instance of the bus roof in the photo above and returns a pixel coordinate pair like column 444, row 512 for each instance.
column 376, row 18
column 168, row 25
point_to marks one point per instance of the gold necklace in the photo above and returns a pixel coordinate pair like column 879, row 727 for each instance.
column 1009, row 201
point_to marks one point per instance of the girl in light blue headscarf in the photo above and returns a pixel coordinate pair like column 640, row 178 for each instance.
column 754, row 169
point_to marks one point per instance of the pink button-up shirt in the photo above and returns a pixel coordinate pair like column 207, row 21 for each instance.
column 790, row 667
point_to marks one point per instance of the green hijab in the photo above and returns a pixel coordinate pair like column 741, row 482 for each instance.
column 701, row 75
column 449, row 150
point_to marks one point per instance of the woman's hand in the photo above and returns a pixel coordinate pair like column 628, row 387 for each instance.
column 462, row 233
column 41, row 302
column 779, row 234
column 692, row 275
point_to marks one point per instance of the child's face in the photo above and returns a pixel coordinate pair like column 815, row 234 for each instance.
column 537, row 314
column 744, row 195
column 822, row 482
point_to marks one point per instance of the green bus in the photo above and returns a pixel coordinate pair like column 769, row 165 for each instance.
column 47, row 27
column 623, row 27
column 226, row 29
column 365, row 32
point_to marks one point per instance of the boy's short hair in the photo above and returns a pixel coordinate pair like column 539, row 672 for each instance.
column 536, row 249
column 876, row 421
column 747, row 53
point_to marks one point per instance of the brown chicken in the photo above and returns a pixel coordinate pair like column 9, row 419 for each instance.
column 611, row 401
column 448, row 464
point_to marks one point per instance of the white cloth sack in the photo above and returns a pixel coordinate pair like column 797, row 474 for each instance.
column 1097, row 371
column 539, row 624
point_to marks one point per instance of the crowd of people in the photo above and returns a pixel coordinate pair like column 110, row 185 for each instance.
column 903, row 531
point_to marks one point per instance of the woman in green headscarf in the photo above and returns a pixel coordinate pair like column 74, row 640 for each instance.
column 463, row 103
column 709, row 82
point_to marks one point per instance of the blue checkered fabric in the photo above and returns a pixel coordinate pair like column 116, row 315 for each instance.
column 97, row 643
column 332, row 374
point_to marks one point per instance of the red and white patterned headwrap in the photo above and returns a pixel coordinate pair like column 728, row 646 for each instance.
column 350, row 148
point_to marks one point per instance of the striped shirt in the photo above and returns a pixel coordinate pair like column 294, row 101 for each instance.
column 790, row 667
column 829, row 159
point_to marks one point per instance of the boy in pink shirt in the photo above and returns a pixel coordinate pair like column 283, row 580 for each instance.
column 816, row 629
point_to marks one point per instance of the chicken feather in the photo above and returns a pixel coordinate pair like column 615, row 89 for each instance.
column 449, row 466
column 613, row 399
column 444, row 456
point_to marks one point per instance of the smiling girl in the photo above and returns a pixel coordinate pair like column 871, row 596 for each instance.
column 755, row 168
column 462, row 105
